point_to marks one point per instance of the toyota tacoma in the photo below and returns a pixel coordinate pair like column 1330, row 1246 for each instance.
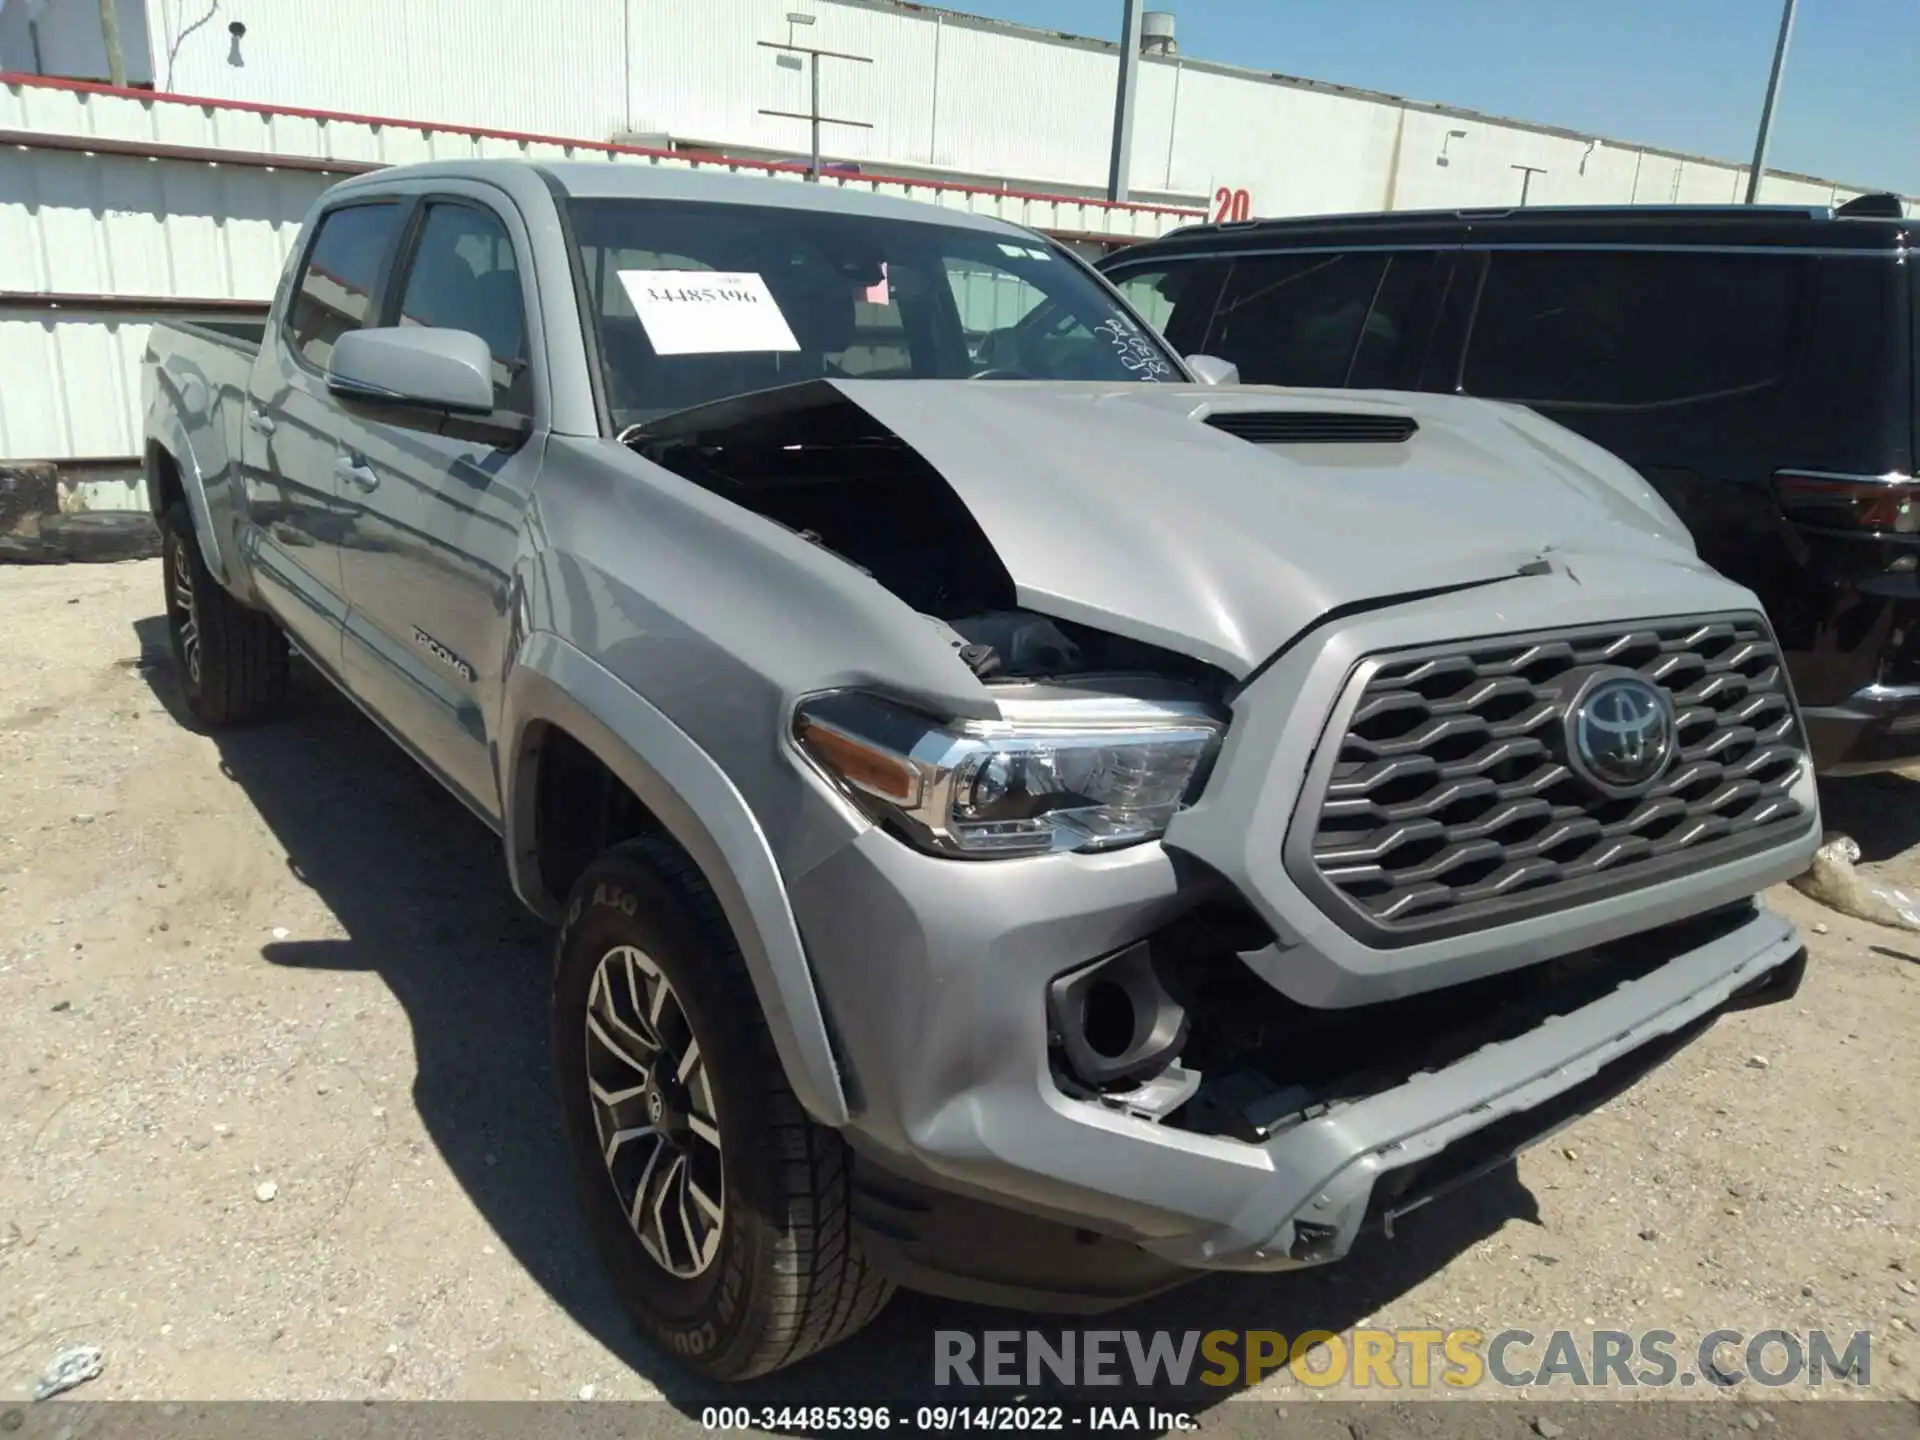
column 1023, row 822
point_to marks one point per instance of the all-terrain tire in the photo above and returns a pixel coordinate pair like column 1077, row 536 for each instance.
column 786, row 1278
column 232, row 660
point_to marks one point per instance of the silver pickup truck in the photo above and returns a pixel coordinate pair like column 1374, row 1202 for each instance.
column 1024, row 823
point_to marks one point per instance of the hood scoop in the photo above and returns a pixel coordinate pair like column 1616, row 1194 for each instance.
column 1314, row 427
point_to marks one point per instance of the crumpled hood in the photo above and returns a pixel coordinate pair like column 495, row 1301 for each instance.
column 1117, row 506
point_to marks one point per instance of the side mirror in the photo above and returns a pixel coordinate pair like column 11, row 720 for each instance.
column 416, row 366
column 424, row 378
column 1212, row 370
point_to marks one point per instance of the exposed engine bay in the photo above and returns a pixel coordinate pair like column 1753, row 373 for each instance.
column 840, row 479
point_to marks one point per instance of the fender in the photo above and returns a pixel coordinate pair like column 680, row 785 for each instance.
column 696, row 802
column 167, row 436
column 171, row 403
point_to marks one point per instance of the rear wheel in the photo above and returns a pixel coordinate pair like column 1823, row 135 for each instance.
column 721, row 1208
column 232, row 660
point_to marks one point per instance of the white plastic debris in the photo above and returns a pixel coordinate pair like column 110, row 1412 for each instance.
column 265, row 1191
column 280, row 932
column 73, row 1366
column 1833, row 881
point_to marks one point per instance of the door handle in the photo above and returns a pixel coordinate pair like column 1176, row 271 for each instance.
column 357, row 471
column 257, row 419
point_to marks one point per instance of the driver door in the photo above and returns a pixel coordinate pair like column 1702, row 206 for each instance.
column 438, row 517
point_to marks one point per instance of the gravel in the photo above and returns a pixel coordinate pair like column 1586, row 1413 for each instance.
column 281, row 965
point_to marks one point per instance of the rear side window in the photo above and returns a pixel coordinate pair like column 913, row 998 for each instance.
column 463, row 277
column 334, row 291
column 1630, row 329
column 1296, row 319
column 1177, row 300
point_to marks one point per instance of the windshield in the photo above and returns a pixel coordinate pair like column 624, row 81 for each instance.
column 695, row 302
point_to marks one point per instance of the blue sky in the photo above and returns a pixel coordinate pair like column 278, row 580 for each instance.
column 1681, row 74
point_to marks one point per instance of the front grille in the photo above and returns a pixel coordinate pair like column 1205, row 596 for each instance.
column 1450, row 803
column 1314, row 427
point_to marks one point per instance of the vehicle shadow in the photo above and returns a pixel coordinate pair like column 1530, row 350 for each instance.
column 419, row 888
column 1881, row 812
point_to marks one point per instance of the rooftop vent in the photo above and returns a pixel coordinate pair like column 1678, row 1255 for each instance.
column 1156, row 34
column 1311, row 427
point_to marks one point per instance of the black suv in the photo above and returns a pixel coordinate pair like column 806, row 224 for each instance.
column 1756, row 364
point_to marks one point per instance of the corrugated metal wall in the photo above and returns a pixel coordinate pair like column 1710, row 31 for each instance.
column 946, row 91
column 94, row 241
column 120, row 225
column 70, row 387
column 555, row 66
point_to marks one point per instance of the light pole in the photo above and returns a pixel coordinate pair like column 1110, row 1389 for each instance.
column 1123, row 101
column 1773, row 95
column 110, row 38
column 790, row 57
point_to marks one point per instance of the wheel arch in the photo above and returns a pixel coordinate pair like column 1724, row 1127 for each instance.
column 556, row 697
column 173, row 476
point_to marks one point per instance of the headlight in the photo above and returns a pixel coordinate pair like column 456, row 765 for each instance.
column 1083, row 772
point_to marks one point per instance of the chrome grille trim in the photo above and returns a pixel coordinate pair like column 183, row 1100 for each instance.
column 1440, row 802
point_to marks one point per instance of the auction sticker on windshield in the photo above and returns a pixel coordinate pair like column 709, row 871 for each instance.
column 707, row 312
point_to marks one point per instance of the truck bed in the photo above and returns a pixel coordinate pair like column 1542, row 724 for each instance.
column 235, row 333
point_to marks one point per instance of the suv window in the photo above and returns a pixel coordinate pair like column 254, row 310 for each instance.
column 334, row 291
column 1296, row 319
column 1177, row 300
column 1630, row 329
column 463, row 277
column 1010, row 326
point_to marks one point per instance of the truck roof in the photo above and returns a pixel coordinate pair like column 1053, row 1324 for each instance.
column 629, row 180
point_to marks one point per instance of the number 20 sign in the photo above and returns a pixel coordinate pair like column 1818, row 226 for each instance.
column 1231, row 204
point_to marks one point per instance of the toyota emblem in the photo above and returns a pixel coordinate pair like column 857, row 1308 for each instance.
column 1620, row 732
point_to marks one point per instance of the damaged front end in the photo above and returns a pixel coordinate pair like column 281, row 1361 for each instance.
column 1065, row 962
column 1098, row 739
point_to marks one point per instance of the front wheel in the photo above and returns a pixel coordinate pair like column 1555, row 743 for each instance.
column 722, row 1209
column 232, row 660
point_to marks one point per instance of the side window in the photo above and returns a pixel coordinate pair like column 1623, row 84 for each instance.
column 1153, row 293
column 1295, row 319
column 334, row 290
column 1394, row 340
column 1913, row 346
column 990, row 298
column 1177, row 300
column 1011, row 324
column 1630, row 329
column 463, row 277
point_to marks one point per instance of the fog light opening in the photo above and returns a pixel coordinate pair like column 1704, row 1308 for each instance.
column 1107, row 1019
column 1113, row 1023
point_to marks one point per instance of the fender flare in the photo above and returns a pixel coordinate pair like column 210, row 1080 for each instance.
column 554, row 683
column 167, row 435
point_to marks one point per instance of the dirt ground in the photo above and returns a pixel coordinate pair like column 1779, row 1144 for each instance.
column 275, row 1117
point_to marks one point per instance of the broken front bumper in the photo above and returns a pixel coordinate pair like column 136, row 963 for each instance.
column 1392, row 1152
column 934, row 976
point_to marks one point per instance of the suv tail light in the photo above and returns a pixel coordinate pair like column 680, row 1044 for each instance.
column 1870, row 504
